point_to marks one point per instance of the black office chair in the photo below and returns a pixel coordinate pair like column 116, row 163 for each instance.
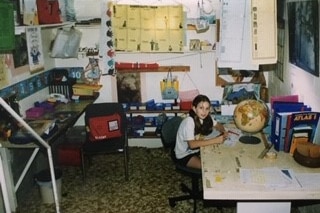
column 168, row 137
column 106, row 132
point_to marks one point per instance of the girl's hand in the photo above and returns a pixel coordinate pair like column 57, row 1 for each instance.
column 220, row 139
column 225, row 134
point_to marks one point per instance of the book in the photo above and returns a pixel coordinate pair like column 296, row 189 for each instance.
column 283, row 107
column 284, row 98
column 302, row 121
column 299, row 136
column 316, row 138
column 280, row 127
column 280, row 130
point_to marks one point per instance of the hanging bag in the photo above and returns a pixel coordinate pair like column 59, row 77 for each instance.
column 190, row 94
column 66, row 43
column 186, row 96
column 169, row 87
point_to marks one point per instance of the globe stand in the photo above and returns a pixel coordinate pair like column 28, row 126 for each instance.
column 249, row 139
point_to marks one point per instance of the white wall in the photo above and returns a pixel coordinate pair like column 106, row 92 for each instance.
column 295, row 81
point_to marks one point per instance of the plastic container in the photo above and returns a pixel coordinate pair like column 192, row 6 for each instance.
column 43, row 179
column 34, row 112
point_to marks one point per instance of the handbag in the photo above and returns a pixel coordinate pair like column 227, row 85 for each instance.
column 190, row 94
column 169, row 87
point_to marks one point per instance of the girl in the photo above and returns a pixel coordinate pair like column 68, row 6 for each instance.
column 191, row 132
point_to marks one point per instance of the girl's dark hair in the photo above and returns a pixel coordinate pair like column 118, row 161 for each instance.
column 206, row 127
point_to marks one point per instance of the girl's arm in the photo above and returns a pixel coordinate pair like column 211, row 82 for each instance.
column 194, row 144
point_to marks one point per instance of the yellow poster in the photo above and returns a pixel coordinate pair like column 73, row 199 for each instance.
column 133, row 39
column 133, row 16
column 175, row 17
column 119, row 17
column 147, row 40
column 162, row 41
column 120, row 38
column 147, row 17
column 148, row 28
column 162, row 17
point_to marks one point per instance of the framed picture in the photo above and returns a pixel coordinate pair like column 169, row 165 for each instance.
column 20, row 55
column 194, row 45
column 129, row 87
column 304, row 35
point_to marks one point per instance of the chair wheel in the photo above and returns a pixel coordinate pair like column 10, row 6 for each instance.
column 172, row 203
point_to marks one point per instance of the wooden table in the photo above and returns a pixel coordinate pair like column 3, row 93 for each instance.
column 221, row 176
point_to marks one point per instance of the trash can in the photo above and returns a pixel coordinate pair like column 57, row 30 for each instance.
column 43, row 179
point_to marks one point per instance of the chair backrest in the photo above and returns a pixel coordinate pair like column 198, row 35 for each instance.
column 169, row 131
column 110, row 119
column 106, row 110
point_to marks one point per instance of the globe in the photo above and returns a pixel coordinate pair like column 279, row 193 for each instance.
column 251, row 116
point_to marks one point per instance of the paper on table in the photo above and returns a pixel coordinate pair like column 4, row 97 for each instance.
column 233, row 136
column 271, row 177
column 309, row 180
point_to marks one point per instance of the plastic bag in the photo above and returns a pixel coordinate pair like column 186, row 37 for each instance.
column 66, row 43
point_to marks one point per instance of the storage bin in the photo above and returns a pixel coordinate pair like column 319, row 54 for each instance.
column 43, row 179
column 185, row 105
column 34, row 112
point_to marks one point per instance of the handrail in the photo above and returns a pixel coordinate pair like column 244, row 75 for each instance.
column 42, row 142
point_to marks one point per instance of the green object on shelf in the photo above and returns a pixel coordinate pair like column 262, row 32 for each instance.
column 6, row 26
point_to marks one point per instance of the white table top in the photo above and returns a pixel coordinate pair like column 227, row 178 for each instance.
column 221, row 176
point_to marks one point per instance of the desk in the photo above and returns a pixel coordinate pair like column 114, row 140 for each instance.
column 221, row 177
column 77, row 108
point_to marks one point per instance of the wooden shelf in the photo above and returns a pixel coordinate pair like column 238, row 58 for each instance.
column 148, row 133
column 160, row 69
column 22, row 29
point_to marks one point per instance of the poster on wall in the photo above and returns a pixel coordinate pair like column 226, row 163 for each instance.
column 35, row 53
column 144, row 28
column 304, row 35
column 280, row 39
column 129, row 87
column 20, row 55
column 6, row 66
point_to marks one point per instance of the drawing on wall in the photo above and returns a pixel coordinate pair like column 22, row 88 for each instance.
column 34, row 44
column 304, row 35
column 129, row 87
